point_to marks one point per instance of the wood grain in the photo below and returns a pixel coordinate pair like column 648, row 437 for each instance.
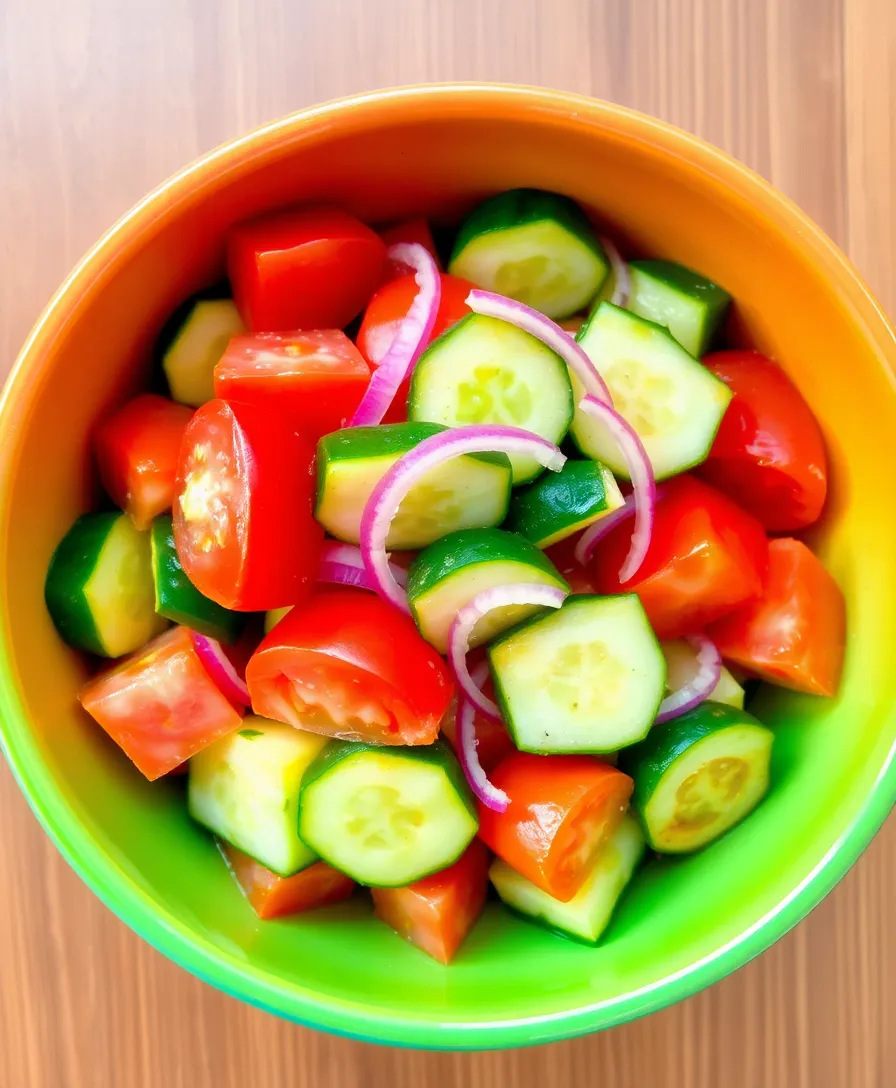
column 99, row 101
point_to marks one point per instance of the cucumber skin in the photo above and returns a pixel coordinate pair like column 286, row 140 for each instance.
column 442, row 558
column 685, row 281
column 648, row 761
column 177, row 599
column 517, row 207
column 70, row 568
column 171, row 329
column 557, row 494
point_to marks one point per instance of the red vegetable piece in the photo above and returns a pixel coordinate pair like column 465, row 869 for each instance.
column 410, row 230
column 273, row 896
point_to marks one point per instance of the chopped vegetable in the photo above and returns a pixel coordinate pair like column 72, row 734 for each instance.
column 562, row 811
column 389, row 306
column 136, row 452
column 437, row 913
column 190, row 359
column 273, row 896
column 467, row 749
column 409, row 230
column 349, row 665
column 699, row 686
column 343, row 564
column 222, row 670
column 386, row 816
column 160, row 705
column 560, row 504
column 682, row 667
column 689, row 305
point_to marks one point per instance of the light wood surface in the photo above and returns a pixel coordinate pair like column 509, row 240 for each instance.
column 102, row 99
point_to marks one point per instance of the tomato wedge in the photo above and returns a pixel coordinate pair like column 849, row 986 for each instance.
column 410, row 230
column 347, row 664
column 314, row 268
column 384, row 314
column 437, row 913
column 562, row 810
column 243, row 524
column 706, row 557
column 563, row 556
column 315, row 379
column 795, row 635
column 769, row 453
column 136, row 450
column 273, row 896
column 493, row 743
column 160, row 706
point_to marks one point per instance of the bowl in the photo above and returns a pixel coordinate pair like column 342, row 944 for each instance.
column 435, row 151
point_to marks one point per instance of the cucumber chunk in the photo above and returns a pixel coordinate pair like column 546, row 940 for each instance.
column 466, row 492
column 586, row 678
column 672, row 401
column 532, row 246
column 561, row 503
column 245, row 788
column 449, row 573
column 387, row 816
column 177, row 599
column 483, row 370
column 99, row 588
column 698, row 775
column 190, row 359
column 690, row 306
column 681, row 666
column 588, row 913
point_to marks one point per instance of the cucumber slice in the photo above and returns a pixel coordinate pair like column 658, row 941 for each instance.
column 450, row 572
column 681, row 665
column 245, row 788
column 177, row 599
column 533, row 246
column 469, row 491
column 588, row 913
column 483, row 370
column 690, row 306
column 586, row 678
column 387, row 816
column 189, row 363
column 672, row 401
column 561, row 503
column 99, row 588
column 698, row 775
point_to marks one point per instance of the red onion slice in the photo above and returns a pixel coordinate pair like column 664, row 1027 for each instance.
column 467, row 744
column 518, row 593
column 595, row 533
column 699, row 688
column 640, row 470
column 343, row 564
column 622, row 277
column 220, row 668
column 394, row 486
column 548, row 332
column 410, row 340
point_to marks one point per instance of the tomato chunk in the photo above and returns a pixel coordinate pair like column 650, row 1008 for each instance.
column 562, row 810
column 795, row 634
column 563, row 556
column 384, row 314
column 136, row 450
column 410, row 230
column 315, row 379
column 272, row 896
column 438, row 912
column 160, row 706
column 493, row 742
column 243, row 523
column 769, row 453
column 706, row 557
column 314, row 268
column 347, row 664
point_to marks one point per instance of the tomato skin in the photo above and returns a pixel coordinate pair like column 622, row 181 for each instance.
column 314, row 268
column 159, row 705
column 562, row 555
column 769, row 453
column 136, row 450
column 314, row 379
column 347, row 664
column 245, row 489
column 562, row 809
column 795, row 635
column 409, row 230
column 384, row 314
column 438, row 912
column 706, row 557
column 273, row 896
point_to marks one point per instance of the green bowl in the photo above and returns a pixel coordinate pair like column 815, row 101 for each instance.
column 685, row 923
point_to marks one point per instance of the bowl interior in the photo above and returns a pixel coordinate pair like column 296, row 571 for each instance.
column 686, row 922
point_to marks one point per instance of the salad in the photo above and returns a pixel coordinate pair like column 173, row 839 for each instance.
column 467, row 592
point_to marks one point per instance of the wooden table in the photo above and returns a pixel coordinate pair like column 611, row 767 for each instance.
column 99, row 101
